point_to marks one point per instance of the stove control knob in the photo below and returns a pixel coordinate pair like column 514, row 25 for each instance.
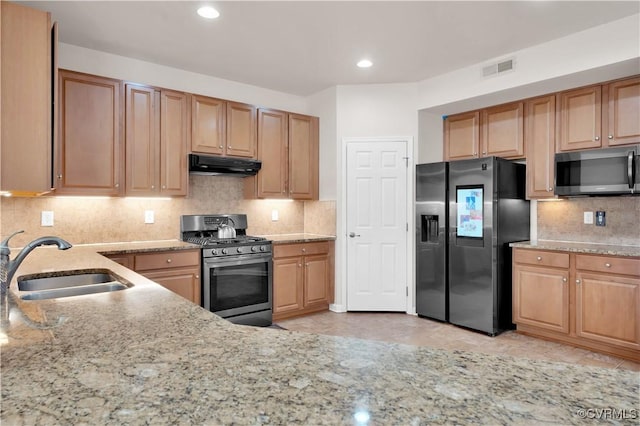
column 254, row 249
column 214, row 252
column 225, row 251
column 239, row 249
column 263, row 248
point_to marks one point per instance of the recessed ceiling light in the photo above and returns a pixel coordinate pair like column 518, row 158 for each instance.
column 365, row 63
column 208, row 12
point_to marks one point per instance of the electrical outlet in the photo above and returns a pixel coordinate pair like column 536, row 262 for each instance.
column 149, row 216
column 601, row 218
column 47, row 218
column 274, row 215
column 588, row 218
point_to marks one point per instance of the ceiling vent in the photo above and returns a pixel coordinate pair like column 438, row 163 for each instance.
column 497, row 68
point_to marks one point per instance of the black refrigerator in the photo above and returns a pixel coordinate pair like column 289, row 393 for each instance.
column 463, row 274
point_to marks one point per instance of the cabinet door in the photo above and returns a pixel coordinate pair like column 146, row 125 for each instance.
column 579, row 125
column 142, row 129
column 541, row 297
column 316, row 280
column 287, row 285
column 623, row 112
column 90, row 155
column 608, row 308
column 173, row 143
column 208, row 133
column 303, row 157
column 273, row 152
column 502, row 131
column 184, row 282
column 539, row 136
column 26, row 99
column 462, row 136
column 241, row 130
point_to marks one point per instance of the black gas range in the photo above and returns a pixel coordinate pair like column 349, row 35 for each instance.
column 237, row 269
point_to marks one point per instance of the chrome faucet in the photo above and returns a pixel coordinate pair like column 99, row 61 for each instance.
column 8, row 267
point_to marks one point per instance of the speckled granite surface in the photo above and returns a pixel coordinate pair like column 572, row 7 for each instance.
column 298, row 238
column 147, row 356
column 587, row 248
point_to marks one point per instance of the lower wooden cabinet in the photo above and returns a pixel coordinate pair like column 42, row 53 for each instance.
column 176, row 270
column 302, row 278
column 590, row 301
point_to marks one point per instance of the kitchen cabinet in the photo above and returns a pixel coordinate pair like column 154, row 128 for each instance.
column 302, row 278
column 496, row 131
column 222, row 127
column 539, row 137
column 462, row 136
column 599, row 116
column 176, row 270
column 26, row 64
column 89, row 156
column 608, row 300
column 156, row 141
column 288, row 149
column 541, row 289
column 586, row 300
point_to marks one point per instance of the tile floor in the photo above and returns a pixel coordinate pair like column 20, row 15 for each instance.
column 413, row 330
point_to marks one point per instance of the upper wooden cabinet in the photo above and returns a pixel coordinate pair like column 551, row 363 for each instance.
column 462, row 136
column 222, row 127
column 599, row 116
column 89, row 155
column 288, row 149
column 156, row 141
column 539, row 136
column 502, row 131
column 496, row 131
column 26, row 104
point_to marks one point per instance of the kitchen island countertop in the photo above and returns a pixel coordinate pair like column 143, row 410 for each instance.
column 577, row 247
column 147, row 356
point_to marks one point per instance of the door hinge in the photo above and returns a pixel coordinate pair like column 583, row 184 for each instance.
column 406, row 159
column 407, row 226
column 407, row 291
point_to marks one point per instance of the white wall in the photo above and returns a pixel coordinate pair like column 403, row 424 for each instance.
column 431, row 135
column 324, row 105
column 597, row 54
column 80, row 59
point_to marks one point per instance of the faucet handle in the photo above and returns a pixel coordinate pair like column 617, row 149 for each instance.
column 4, row 246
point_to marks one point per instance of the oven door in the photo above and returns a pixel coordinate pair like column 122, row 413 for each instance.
column 238, row 285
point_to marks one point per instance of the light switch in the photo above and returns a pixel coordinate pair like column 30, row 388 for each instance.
column 47, row 218
column 149, row 216
column 274, row 215
column 588, row 218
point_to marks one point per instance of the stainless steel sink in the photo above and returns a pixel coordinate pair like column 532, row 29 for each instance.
column 70, row 283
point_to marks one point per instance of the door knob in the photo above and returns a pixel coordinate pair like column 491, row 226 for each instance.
column 353, row 234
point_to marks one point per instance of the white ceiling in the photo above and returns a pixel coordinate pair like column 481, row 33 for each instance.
column 302, row 47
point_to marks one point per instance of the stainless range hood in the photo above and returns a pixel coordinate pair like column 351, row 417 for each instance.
column 213, row 165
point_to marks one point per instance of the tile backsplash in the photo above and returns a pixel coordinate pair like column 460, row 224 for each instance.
column 564, row 220
column 95, row 220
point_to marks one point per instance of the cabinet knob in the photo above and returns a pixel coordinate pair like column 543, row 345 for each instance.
column 610, row 136
column 577, row 281
column 229, row 146
column 164, row 186
column 564, row 280
column 299, row 265
column 539, row 258
column 608, row 265
column 153, row 187
column 304, row 250
column 306, row 264
column 550, row 188
column 59, row 176
column 221, row 147
column 484, row 152
column 168, row 260
column 597, row 138
column 197, row 277
column 117, row 185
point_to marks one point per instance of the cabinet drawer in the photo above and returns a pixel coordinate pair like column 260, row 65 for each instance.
column 167, row 259
column 302, row 249
column 611, row 264
column 541, row 257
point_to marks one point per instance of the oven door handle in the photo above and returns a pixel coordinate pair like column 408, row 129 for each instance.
column 216, row 262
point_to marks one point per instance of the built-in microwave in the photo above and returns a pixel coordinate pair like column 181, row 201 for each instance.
column 610, row 171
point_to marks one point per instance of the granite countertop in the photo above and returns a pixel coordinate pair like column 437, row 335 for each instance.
column 298, row 238
column 147, row 356
column 575, row 247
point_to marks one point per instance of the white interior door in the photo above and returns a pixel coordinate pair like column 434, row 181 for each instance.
column 377, row 226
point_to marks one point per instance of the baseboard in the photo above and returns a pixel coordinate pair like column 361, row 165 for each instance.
column 337, row 308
